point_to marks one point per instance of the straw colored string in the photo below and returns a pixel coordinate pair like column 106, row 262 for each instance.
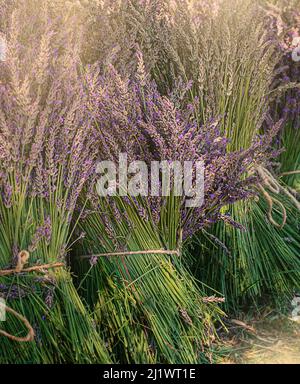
column 270, row 200
column 129, row 253
column 32, row 269
column 23, row 258
column 30, row 334
column 269, row 181
column 290, row 173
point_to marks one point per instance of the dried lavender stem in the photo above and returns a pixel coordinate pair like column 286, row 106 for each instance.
column 154, row 251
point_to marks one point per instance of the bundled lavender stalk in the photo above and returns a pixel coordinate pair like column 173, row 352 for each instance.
column 249, row 266
column 148, row 305
column 46, row 156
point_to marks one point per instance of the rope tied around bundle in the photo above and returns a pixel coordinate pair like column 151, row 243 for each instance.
column 176, row 252
column 268, row 181
column 134, row 253
column 22, row 259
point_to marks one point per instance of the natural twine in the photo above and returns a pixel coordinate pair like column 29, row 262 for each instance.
column 268, row 181
column 30, row 335
column 132, row 253
column 22, row 259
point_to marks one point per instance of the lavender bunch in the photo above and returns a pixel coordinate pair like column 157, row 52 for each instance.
column 156, row 130
column 231, row 77
column 46, row 157
column 244, row 265
column 132, row 117
column 284, row 24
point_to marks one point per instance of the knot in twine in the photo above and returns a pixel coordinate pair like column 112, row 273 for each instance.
column 22, row 259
